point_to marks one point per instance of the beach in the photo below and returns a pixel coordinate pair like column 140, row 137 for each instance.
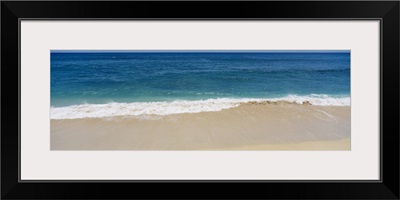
column 200, row 100
column 264, row 125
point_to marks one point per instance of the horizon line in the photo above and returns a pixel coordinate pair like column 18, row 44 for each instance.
column 200, row 51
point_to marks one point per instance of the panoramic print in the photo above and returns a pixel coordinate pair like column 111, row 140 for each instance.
column 200, row 100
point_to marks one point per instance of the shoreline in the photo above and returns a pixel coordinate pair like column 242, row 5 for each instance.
column 249, row 126
column 163, row 108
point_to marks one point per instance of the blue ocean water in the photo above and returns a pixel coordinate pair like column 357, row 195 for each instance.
column 125, row 77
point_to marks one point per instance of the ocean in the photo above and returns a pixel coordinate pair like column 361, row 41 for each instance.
column 107, row 84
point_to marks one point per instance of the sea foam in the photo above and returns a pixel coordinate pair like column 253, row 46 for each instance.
column 179, row 106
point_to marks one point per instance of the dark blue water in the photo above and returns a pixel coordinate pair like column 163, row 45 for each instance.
column 94, row 78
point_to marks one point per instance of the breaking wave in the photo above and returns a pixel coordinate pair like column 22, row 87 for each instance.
column 180, row 106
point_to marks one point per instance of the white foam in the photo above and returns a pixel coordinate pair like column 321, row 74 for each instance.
column 318, row 100
column 177, row 107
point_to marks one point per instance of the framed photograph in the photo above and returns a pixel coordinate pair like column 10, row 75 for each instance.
column 242, row 99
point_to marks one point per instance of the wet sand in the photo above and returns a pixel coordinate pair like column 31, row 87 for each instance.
column 251, row 126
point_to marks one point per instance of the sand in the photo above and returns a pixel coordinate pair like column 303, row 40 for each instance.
column 251, row 126
column 329, row 145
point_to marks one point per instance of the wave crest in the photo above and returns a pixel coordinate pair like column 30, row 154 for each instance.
column 179, row 106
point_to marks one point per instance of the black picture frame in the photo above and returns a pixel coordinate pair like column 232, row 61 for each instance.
column 385, row 11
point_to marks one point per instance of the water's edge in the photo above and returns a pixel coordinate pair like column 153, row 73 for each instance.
column 114, row 109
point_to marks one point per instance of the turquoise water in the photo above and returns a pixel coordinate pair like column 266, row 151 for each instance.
column 125, row 77
column 108, row 84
